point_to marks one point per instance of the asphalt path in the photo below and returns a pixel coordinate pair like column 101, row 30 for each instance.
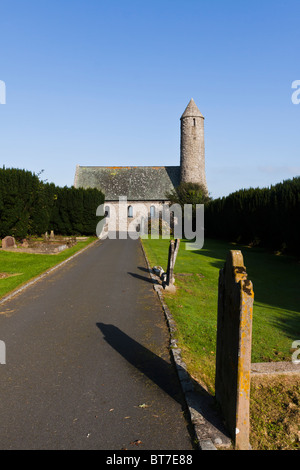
column 87, row 359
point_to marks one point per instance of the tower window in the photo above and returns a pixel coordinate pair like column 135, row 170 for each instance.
column 194, row 122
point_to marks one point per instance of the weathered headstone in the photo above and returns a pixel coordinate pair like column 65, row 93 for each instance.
column 170, row 263
column 52, row 235
column 8, row 242
column 173, row 250
column 233, row 357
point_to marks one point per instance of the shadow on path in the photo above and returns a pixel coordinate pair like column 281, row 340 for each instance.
column 162, row 374
column 143, row 278
column 145, row 270
column 148, row 363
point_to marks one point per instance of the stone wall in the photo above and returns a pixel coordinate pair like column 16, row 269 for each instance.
column 118, row 219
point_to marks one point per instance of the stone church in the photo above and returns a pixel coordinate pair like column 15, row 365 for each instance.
column 143, row 189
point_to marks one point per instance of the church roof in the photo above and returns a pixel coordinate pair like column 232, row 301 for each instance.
column 192, row 110
column 137, row 183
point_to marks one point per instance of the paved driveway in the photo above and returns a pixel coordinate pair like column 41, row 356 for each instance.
column 87, row 361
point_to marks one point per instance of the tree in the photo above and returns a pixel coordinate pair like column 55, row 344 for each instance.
column 191, row 194
column 188, row 193
column 29, row 206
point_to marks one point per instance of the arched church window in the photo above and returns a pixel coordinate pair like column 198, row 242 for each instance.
column 152, row 211
column 106, row 211
column 130, row 211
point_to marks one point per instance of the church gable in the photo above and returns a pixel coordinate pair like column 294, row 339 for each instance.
column 140, row 183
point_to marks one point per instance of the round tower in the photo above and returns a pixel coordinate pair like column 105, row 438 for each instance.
column 192, row 150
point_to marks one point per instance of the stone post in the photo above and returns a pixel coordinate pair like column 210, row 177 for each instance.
column 170, row 263
column 233, row 356
column 173, row 250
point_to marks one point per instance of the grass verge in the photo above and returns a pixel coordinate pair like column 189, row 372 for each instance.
column 275, row 413
column 276, row 313
column 18, row 268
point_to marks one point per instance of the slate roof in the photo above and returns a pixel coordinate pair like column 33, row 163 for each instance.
column 137, row 183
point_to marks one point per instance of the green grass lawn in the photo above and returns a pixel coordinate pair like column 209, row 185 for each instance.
column 276, row 312
column 274, row 402
column 24, row 266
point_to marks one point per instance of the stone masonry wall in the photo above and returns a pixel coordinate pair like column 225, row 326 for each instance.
column 120, row 214
column 192, row 150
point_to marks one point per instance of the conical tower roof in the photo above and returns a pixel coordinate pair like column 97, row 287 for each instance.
column 192, row 110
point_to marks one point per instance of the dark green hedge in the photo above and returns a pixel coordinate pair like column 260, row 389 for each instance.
column 29, row 206
column 269, row 217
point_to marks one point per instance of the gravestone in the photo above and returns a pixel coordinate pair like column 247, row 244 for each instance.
column 173, row 250
column 8, row 242
column 233, row 356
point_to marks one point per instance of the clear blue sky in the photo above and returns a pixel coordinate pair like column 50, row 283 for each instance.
column 104, row 82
